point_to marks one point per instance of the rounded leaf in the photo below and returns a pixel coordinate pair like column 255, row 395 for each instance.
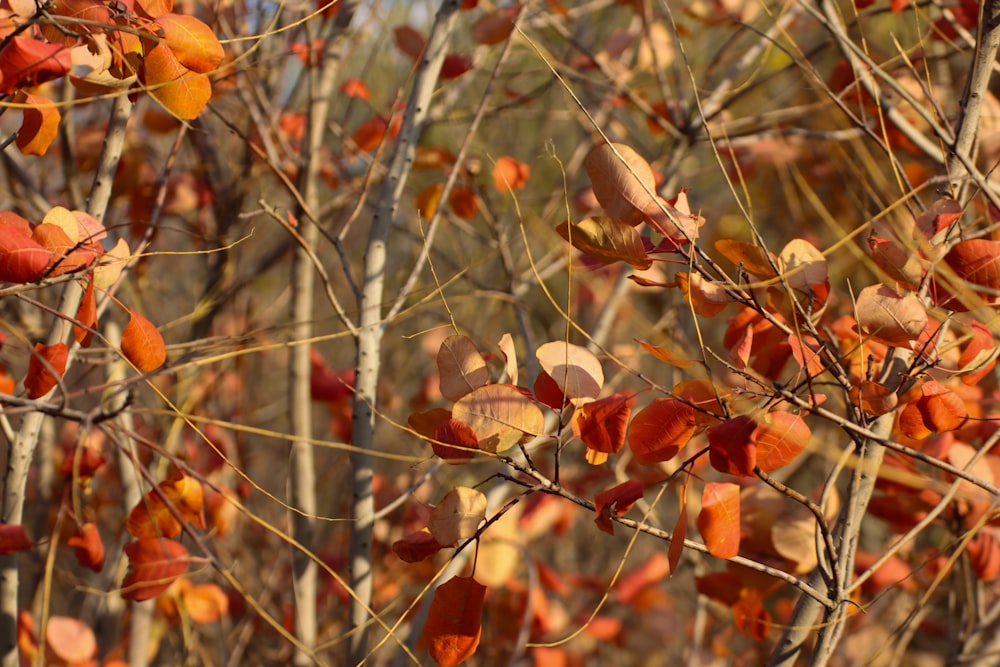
column 659, row 430
column 890, row 318
column 780, row 437
column 575, row 370
column 70, row 640
column 458, row 516
column 142, row 343
column 500, row 415
column 461, row 367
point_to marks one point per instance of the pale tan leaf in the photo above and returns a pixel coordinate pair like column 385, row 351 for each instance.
column 458, row 516
column 500, row 415
column 461, row 367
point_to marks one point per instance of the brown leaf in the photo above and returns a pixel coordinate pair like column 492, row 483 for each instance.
column 500, row 415
column 890, row 318
column 461, row 367
column 607, row 240
column 458, row 516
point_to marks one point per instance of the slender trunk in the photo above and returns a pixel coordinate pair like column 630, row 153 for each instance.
column 371, row 326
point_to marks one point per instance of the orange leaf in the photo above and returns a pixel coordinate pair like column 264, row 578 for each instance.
column 752, row 258
column 602, row 424
column 877, row 399
column 416, row 547
column 616, row 500
column 606, row 240
column 22, row 259
column 428, row 200
column 46, row 367
column 142, row 343
column 666, row 354
column 650, row 573
column 69, row 640
column 13, row 539
column 660, row 430
column 719, row 519
column 979, row 356
column 86, row 316
column 706, row 298
column 154, row 8
column 805, row 351
column 181, row 91
column 454, row 622
column 193, row 43
column 494, row 27
column 152, row 518
column 205, row 603
column 780, row 438
column 984, row 556
column 39, row 124
column 27, row 62
column 509, row 173
column 355, row 88
column 731, row 446
column 154, row 564
column 88, row 546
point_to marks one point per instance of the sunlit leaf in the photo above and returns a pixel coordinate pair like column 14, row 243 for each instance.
column 461, row 367
column 45, row 367
column 142, row 343
column 506, row 346
column 576, row 370
column 154, row 564
column 457, row 516
column 27, row 62
column 780, row 437
column 623, row 181
column 660, row 429
column 754, row 259
column 454, row 621
column 890, row 318
column 181, row 91
column 607, row 240
column 719, row 519
column 194, row 44
column 509, row 173
column 205, row 603
column 706, row 298
column 602, row 424
column 70, row 640
column 39, row 124
column 22, row 259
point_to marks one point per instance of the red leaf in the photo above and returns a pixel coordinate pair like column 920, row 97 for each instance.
column 88, row 546
column 409, row 41
column 676, row 549
column 39, row 124
column 46, row 367
column 142, row 343
column 86, row 317
column 660, row 430
column 615, row 500
column 650, row 573
column 355, row 88
column 494, row 27
column 984, row 556
column 326, row 385
column 780, row 438
column 463, row 202
column 154, row 564
column 602, row 424
column 455, row 65
column 22, row 259
column 719, row 519
column 416, row 547
column 454, row 622
column 454, row 432
column 27, row 62
column 13, row 539
column 732, row 449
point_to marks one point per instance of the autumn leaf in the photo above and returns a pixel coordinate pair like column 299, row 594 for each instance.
column 193, row 43
column 142, row 343
column 660, row 429
column 416, row 547
column 890, row 318
column 457, row 516
column 89, row 547
column 494, row 27
column 719, row 519
column 461, row 367
column 463, row 202
column 607, row 240
column 22, row 259
column 45, row 368
column 454, row 442
column 409, row 41
column 454, row 621
column 616, row 500
column 779, row 438
column 666, row 354
column 70, row 640
column 204, row 603
column 623, row 181
column 602, row 424
column 39, row 124
column 454, row 66
column 500, row 415
column 676, row 549
column 732, row 449
column 706, row 298
column 13, row 539
column 754, row 259
column 27, row 62
column 506, row 345
column 576, row 370
column 181, row 91
column 509, row 173
column 154, row 564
